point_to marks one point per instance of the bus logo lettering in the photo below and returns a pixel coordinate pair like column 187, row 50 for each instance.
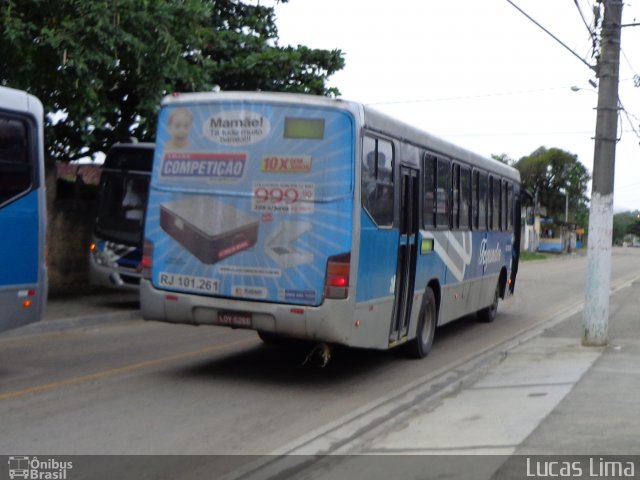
column 216, row 166
column 488, row 256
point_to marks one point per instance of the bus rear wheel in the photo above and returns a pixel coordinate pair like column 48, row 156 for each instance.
column 488, row 314
column 420, row 346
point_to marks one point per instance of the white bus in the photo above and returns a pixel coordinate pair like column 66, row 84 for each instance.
column 322, row 219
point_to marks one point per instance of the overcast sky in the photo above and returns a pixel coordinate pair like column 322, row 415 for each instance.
column 478, row 73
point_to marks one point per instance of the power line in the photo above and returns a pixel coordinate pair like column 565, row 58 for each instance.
column 528, row 133
column 592, row 34
column 628, row 62
column 552, row 36
column 629, row 115
column 469, row 97
column 623, row 187
column 491, row 94
column 632, row 115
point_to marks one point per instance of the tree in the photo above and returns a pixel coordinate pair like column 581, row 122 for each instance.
column 550, row 172
column 625, row 223
column 101, row 67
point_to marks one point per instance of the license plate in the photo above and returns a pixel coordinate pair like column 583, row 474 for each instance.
column 188, row 283
column 235, row 319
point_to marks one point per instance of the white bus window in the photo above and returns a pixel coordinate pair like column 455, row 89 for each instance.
column 474, row 200
column 510, row 207
column 465, row 198
column 482, row 201
column 494, row 209
column 429, row 205
column 442, row 193
column 377, row 180
column 455, row 197
column 504, row 210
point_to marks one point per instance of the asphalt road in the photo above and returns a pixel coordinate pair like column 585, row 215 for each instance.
column 137, row 387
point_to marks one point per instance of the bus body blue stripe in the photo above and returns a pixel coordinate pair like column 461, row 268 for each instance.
column 18, row 253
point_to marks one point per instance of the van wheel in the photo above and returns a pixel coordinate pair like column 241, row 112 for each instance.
column 420, row 346
column 488, row 314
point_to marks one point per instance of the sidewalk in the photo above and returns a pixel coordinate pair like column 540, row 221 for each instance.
column 548, row 396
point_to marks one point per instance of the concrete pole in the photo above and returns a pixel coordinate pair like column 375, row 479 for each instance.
column 596, row 308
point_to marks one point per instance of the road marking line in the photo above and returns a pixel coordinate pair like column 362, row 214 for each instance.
column 119, row 370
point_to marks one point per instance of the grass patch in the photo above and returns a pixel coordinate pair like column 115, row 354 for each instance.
column 527, row 256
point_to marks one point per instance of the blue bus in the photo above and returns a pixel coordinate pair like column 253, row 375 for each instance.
column 23, row 270
column 115, row 252
column 322, row 219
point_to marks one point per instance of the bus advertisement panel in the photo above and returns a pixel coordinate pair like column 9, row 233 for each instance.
column 250, row 199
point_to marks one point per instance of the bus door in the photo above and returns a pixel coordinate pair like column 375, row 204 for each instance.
column 517, row 225
column 407, row 253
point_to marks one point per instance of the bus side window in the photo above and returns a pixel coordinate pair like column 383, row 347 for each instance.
column 482, row 201
column 455, row 197
column 504, row 206
column 377, row 180
column 15, row 170
column 443, row 189
column 475, row 203
column 494, row 207
column 465, row 198
column 429, row 164
column 510, row 207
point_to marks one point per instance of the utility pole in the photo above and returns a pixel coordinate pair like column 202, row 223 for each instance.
column 596, row 307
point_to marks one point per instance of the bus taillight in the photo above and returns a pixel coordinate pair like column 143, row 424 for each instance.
column 147, row 259
column 337, row 280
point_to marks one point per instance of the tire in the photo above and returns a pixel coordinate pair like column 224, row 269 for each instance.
column 488, row 314
column 420, row 346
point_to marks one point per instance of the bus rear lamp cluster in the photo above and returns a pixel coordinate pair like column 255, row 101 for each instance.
column 336, row 285
column 147, row 259
column 27, row 302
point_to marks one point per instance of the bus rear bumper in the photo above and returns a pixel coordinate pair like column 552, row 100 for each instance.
column 22, row 304
column 296, row 321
